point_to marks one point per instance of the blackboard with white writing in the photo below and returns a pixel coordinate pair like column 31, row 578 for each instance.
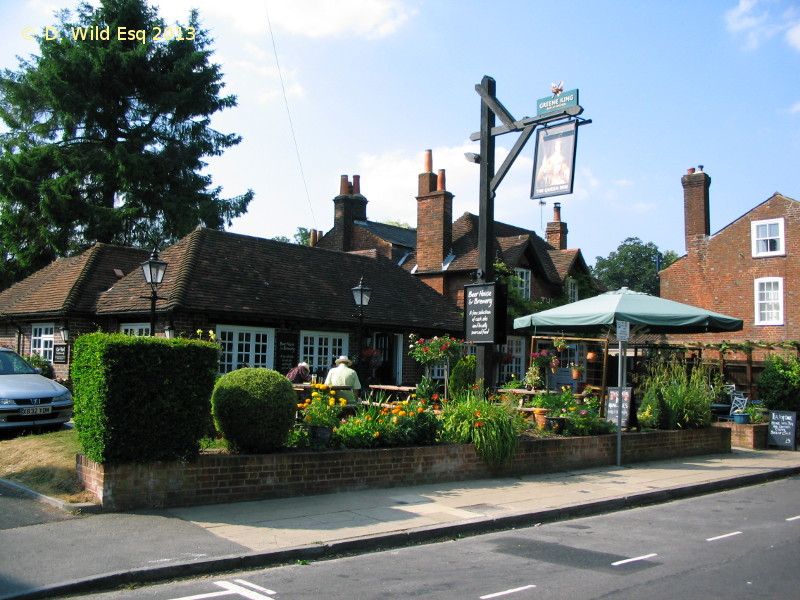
column 612, row 405
column 782, row 429
column 286, row 358
column 485, row 313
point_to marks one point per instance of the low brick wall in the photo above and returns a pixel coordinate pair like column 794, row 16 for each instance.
column 222, row 478
column 752, row 435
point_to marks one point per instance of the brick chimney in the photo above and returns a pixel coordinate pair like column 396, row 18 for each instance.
column 434, row 219
column 697, row 222
column 556, row 231
column 348, row 206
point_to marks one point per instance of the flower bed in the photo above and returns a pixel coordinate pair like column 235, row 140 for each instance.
column 222, row 478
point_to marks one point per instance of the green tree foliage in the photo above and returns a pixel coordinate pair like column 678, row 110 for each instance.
column 633, row 265
column 106, row 138
column 779, row 384
column 301, row 237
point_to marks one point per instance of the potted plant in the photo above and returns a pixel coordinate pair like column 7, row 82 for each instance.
column 321, row 412
column 741, row 416
column 577, row 370
column 560, row 344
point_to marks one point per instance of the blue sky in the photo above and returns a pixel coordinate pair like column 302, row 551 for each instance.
column 371, row 84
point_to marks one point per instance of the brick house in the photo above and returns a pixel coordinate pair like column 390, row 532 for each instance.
column 444, row 253
column 748, row 269
column 269, row 303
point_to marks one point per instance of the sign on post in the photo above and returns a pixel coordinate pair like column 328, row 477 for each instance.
column 613, row 406
column 485, row 313
column 623, row 331
column 554, row 160
column 782, row 430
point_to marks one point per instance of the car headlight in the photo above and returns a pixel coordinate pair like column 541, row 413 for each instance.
column 65, row 397
column 6, row 401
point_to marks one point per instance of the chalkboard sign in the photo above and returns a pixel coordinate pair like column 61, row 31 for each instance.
column 286, row 357
column 612, row 405
column 485, row 313
column 782, row 429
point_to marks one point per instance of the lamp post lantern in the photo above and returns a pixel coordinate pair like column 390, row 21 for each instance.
column 361, row 295
column 153, row 270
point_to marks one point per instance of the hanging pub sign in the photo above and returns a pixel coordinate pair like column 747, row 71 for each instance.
column 554, row 160
column 556, row 102
column 485, row 313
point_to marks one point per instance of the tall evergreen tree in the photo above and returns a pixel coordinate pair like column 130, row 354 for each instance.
column 107, row 137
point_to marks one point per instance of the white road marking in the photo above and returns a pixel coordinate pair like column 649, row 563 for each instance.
column 231, row 589
column 634, row 559
column 720, row 537
column 797, row 518
column 507, row 592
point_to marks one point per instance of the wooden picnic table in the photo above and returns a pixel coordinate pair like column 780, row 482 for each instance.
column 397, row 392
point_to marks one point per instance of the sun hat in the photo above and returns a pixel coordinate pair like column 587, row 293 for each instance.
column 303, row 364
column 343, row 359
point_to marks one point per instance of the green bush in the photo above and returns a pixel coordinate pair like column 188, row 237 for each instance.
column 779, row 384
column 141, row 399
column 407, row 423
column 39, row 362
column 677, row 395
column 463, row 376
column 254, row 408
column 471, row 419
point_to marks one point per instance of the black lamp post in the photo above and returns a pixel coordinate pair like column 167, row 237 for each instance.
column 361, row 296
column 154, row 270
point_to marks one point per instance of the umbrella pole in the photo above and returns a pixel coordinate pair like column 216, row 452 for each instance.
column 621, row 376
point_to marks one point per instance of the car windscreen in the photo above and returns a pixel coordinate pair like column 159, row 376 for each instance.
column 12, row 363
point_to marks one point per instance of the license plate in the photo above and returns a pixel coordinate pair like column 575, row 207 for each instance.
column 36, row 410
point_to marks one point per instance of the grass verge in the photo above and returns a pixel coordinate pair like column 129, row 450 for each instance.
column 44, row 463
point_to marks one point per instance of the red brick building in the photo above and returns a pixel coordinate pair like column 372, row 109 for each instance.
column 748, row 269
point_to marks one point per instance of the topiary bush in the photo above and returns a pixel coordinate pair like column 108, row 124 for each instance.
column 463, row 376
column 779, row 384
column 254, row 408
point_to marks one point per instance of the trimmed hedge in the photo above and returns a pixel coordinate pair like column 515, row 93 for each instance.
column 142, row 399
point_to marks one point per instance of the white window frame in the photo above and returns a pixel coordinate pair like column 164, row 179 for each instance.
column 42, row 339
column 572, row 289
column 245, row 347
column 755, row 239
column 135, row 329
column 320, row 348
column 774, row 316
column 523, row 286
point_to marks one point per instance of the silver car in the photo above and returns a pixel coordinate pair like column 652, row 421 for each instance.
column 26, row 398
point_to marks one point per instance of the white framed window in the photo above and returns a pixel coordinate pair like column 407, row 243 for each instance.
column 523, row 284
column 42, row 339
column 769, row 301
column 245, row 347
column 320, row 348
column 135, row 329
column 572, row 289
column 767, row 238
column 513, row 358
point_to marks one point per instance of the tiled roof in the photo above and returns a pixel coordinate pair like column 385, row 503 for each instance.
column 71, row 285
column 254, row 279
column 397, row 236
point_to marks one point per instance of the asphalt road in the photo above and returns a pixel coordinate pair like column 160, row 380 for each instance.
column 734, row 545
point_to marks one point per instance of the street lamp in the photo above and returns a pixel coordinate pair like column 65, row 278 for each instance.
column 153, row 270
column 361, row 296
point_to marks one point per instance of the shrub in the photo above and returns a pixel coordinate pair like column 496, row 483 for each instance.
column 45, row 367
column 254, row 408
column 470, row 418
column 779, row 384
column 463, row 376
column 677, row 395
column 407, row 423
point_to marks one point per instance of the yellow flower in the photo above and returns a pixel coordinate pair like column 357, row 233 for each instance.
column 402, row 413
column 394, row 419
column 376, row 434
column 342, row 401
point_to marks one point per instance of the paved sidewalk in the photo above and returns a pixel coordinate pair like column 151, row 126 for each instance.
column 154, row 545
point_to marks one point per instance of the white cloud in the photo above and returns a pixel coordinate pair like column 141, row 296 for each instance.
column 795, row 108
column 757, row 24
column 793, row 36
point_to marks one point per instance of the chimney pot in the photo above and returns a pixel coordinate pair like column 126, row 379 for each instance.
column 344, row 186
column 356, row 184
column 690, row 171
column 440, row 182
column 557, row 211
column 428, row 161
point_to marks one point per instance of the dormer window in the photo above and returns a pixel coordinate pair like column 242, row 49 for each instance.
column 767, row 238
column 523, row 282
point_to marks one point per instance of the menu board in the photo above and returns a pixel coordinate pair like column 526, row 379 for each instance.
column 485, row 313
column 782, row 430
column 286, row 357
column 612, row 405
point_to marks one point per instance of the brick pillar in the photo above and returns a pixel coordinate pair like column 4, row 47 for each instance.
column 696, row 215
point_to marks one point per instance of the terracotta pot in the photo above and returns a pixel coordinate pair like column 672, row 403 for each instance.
column 540, row 414
column 576, row 373
column 591, row 356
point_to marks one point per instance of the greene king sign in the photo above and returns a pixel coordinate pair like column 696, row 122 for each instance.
column 556, row 103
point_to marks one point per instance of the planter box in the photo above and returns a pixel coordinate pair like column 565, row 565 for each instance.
column 749, row 435
column 223, row 478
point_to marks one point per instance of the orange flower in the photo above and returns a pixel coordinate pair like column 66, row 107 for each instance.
column 479, row 423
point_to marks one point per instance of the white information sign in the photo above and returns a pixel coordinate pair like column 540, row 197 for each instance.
column 623, row 330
